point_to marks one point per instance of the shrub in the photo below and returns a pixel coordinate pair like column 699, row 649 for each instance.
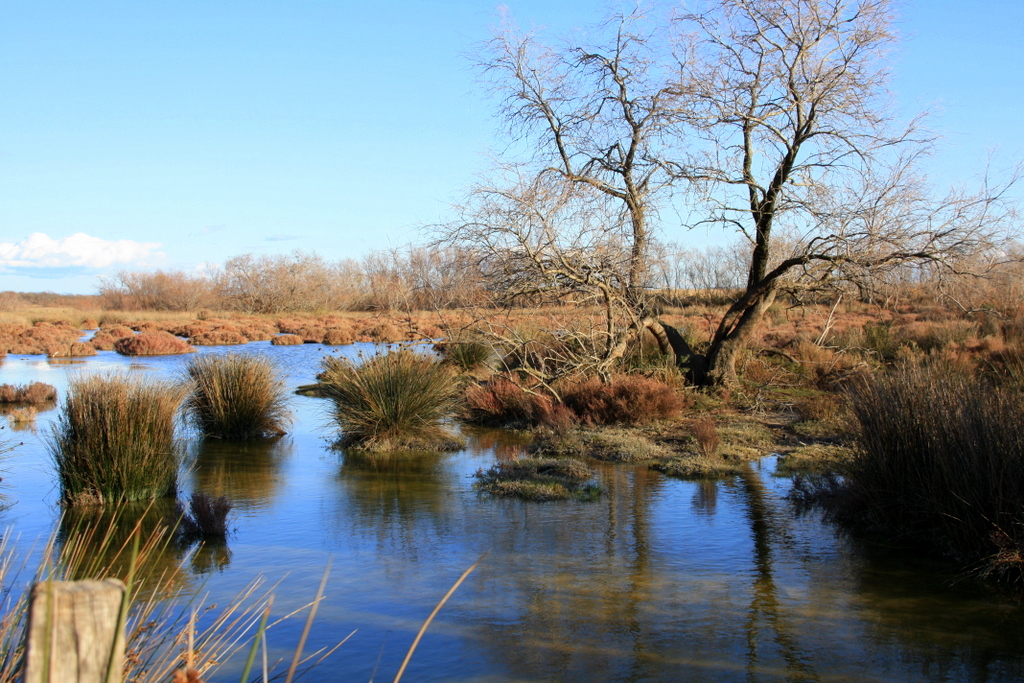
column 73, row 350
column 705, row 433
column 503, row 402
column 206, row 518
column 37, row 392
column 236, row 397
column 466, row 355
column 337, row 336
column 391, row 402
column 882, row 340
column 152, row 344
column 941, row 466
column 286, row 340
column 626, row 399
column 114, row 439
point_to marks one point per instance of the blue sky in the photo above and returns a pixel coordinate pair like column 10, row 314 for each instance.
column 170, row 134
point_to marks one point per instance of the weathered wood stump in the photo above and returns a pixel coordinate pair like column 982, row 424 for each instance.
column 72, row 627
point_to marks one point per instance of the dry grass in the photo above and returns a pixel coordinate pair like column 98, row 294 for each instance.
column 236, row 396
column 218, row 337
column 37, row 392
column 114, row 440
column 395, row 401
column 609, row 444
column 941, row 466
column 287, row 340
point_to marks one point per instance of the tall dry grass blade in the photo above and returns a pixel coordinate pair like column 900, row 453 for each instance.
column 256, row 642
column 423, row 629
column 309, row 623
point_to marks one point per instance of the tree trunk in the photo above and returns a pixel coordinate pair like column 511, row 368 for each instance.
column 720, row 369
column 670, row 342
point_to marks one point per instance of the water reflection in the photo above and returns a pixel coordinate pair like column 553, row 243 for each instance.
column 497, row 443
column 942, row 626
column 399, row 498
column 766, row 612
column 97, row 541
column 705, row 497
column 211, row 556
column 247, row 472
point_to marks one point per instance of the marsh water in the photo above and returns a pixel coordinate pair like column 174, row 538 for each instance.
column 658, row 580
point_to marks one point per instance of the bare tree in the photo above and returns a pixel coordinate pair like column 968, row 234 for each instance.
column 570, row 220
column 789, row 98
column 775, row 118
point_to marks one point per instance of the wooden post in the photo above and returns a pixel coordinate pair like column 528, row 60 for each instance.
column 72, row 626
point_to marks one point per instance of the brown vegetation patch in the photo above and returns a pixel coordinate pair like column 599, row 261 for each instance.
column 626, row 399
column 337, row 336
column 286, row 340
column 223, row 336
column 73, row 350
column 37, row 392
column 152, row 344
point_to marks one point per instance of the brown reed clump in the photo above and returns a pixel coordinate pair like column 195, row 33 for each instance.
column 286, row 340
column 73, row 350
column 705, row 433
column 152, row 344
column 114, row 440
column 941, row 466
column 218, row 337
column 236, row 396
column 37, row 392
column 338, row 336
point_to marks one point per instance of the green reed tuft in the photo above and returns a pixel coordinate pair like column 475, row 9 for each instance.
column 396, row 401
column 114, row 440
column 236, row 396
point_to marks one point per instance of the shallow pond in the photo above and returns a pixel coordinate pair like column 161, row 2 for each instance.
column 660, row 579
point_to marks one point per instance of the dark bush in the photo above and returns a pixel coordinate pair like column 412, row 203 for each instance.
column 941, row 466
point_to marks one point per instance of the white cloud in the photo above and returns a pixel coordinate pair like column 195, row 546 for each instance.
column 79, row 250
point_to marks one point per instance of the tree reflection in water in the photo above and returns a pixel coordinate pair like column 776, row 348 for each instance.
column 399, row 498
column 766, row 526
column 247, row 472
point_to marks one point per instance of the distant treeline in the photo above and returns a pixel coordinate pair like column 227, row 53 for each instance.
column 423, row 278
column 415, row 278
